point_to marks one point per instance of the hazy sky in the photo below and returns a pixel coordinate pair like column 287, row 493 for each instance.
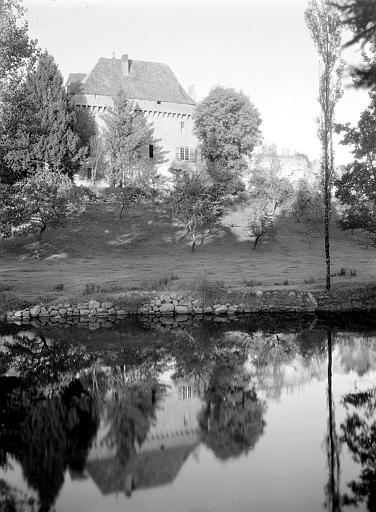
column 259, row 46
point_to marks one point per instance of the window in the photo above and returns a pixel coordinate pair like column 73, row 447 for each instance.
column 151, row 151
column 182, row 128
column 159, row 102
column 186, row 154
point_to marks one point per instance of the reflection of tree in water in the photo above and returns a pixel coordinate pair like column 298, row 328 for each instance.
column 332, row 445
column 43, row 363
column 129, row 402
column 12, row 499
column 359, row 434
column 47, row 418
column 232, row 420
column 46, row 435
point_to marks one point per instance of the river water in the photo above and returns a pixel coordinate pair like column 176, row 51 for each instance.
column 255, row 415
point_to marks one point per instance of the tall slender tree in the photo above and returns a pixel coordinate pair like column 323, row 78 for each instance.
column 324, row 24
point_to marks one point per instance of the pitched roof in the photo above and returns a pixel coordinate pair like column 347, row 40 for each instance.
column 74, row 82
column 144, row 81
column 148, row 469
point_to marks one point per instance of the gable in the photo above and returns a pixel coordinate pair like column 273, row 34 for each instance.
column 141, row 80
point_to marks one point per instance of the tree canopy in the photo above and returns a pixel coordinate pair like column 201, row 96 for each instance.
column 360, row 17
column 46, row 198
column 132, row 151
column 357, row 187
column 228, row 127
column 39, row 125
column 16, row 48
column 196, row 204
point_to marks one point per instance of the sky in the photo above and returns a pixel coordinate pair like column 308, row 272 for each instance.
column 261, row 47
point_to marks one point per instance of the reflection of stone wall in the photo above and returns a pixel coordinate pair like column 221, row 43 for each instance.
column 172, row 305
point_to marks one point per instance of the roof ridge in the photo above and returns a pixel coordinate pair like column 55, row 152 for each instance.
column 147, row 80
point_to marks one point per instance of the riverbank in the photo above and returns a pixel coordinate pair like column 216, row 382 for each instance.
column 209, row 302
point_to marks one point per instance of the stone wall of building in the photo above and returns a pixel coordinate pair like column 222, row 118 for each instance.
column 172, row 123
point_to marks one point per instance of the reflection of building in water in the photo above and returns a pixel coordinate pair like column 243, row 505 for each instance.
column 172, row 436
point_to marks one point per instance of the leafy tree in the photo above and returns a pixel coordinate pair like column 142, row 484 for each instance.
column 260, row 225
column 46, row 435
column 357, row 187
column 39, row 125
column 85, row 126
column 232, row 420
column 228, row 126
column 308, row 209
column 360, row 17
column 96, row 159
column 133, row 194
column 267, row 186
column 46, row 198
column 17, row 50
column 133, row 154
column 195, row 204
column 359, row 434
column 324, row 24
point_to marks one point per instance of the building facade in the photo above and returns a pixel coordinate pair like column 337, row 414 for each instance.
column 155, row 92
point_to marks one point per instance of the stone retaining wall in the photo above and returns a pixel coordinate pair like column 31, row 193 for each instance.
column 171, row 305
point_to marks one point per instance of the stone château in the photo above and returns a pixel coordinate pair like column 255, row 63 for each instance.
column 156, row 94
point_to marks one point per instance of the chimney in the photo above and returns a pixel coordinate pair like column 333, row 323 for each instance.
column 125, row 64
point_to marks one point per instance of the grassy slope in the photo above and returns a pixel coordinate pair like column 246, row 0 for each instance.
column 143, row 250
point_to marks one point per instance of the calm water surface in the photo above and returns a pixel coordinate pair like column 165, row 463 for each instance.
column 206, row 418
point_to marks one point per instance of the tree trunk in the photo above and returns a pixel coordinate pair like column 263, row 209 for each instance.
column 255, row 242
column 194, row 241
column 41, row 231
column 327, row 234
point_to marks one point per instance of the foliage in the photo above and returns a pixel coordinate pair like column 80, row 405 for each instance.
column 46, row 435
column 38, row 125
column 324, row 24
column 232, row 420
column 130, row 410
column 46, row 198
column 96, row 158
column 133, row 193
column 85, row 126
column 260, row 225
column 228, row 126
column 17, row 50
column 267, row 186
column 308, row 209
column 359, row 434
column 360, row 17
column 128, row 138
column 357, row 187
column 196, row 204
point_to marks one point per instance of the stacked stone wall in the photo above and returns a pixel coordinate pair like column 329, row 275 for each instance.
column 166, row 305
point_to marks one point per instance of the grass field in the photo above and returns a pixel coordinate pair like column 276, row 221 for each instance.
column 101, row 253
